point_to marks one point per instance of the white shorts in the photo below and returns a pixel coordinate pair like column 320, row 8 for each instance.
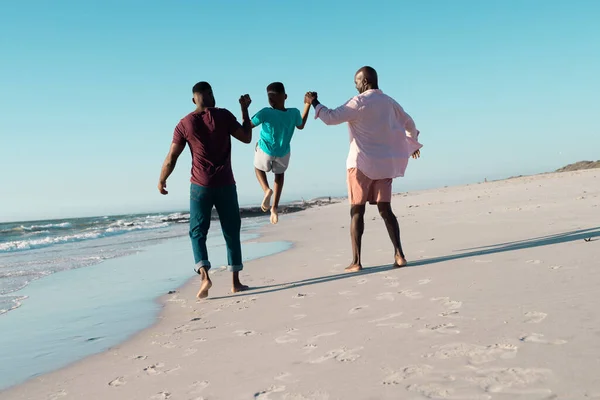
column 267, row 163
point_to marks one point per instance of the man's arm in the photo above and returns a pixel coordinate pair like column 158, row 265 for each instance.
column 169, row 166
column 244, row 133
column 410, row 129
column 344, row 113
column 304, row 116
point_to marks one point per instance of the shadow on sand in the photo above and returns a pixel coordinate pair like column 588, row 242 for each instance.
column 582, row 234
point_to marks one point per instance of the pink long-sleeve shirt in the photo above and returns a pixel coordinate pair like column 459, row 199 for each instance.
column 382, row 135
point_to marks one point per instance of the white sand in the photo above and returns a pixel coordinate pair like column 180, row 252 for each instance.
column 500, row 303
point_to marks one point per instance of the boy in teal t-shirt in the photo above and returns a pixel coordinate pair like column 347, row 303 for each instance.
column 272, row 151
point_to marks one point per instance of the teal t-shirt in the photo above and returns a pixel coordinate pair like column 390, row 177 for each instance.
column 277, row 129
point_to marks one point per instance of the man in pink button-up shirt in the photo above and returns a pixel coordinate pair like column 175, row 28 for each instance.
column 382, row 139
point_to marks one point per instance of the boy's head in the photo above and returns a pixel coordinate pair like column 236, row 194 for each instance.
column 277, row 96
column 203, row 95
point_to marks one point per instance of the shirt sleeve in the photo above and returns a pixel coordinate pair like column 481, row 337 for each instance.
column 257, row 119
column 179, row 134
column 344, row 113
column 409, row 124
column 232, row 122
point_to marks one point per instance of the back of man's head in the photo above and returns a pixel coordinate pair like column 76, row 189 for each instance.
column 201, row 87
column 276, row 87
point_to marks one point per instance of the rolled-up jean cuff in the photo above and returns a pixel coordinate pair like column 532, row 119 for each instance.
column 202, row 264
column 235, row 268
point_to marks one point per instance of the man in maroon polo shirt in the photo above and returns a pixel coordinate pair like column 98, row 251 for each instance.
column 207, row 131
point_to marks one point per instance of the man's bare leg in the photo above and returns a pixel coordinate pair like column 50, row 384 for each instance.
column 357, row 227
column 279, row 179
column 205, row 284
column 391, row 223
column 264, row 184
column 237, row 285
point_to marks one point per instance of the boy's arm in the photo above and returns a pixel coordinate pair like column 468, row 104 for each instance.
column 304, row 116
column 244, row 133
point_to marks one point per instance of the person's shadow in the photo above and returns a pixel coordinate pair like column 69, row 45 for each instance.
column 582, row 234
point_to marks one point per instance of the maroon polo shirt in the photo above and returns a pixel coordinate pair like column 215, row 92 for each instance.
column 208, row 134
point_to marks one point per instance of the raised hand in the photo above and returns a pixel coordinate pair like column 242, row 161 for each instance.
column 245, row 100
column 309, row 97
column 416, row 154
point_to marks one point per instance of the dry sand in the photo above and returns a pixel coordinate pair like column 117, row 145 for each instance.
column 499, row 303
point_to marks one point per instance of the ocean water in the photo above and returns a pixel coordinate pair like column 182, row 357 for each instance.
column 72, row 288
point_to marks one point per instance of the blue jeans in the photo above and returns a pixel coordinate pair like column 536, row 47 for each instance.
column 225, row 200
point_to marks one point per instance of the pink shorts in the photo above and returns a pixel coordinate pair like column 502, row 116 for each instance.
column 362, row 189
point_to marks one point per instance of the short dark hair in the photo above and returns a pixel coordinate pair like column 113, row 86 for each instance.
column 201, row 87
column 276, row 87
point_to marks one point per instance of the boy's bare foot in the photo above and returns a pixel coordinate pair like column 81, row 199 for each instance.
column 274, row 216
column 205, row 285
column 239, row 288
column 353, row 268
column 400, row 261
column 266, row 203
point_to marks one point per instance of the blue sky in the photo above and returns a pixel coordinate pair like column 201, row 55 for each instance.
column 91, row 91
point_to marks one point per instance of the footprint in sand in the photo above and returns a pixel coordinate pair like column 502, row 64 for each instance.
column 310, row 348
column 356, row 309
column 431, row 390
column 449, row 329
column 513, row 381
column 264, row 394
column 298, row 317
column 534, row 317
column 411, row 294
column 285, row 377
column 449, row 314
column 412, row 371
column 138, row 357
column 172, row 370
column 555, row 267
column 120, row 381
column 190, row 351
column 321, row 335
column 361, row 281
column 535, row 262
column 199, row 386
column 479, row 261
column 245, row 333
column 386, row 318
column 154, row 369
column 161, row 396
column 424, row 281
column 395, row 325
column 285, row 339
column 347, row 293
column 446, row 302
column 200, row 340
column 392, row 284
column 341, row 355
column 388, row 296
column 475, row 354
column 539, row 338
column 57, row 395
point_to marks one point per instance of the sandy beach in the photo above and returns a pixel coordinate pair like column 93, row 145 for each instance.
column 498, row 303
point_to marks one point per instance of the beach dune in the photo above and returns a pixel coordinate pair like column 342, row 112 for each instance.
column 499, row 302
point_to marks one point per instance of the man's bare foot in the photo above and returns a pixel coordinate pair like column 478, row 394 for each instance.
column 266, row 203
column 400, row 261
column 353, row 268
column 205, row 285
column 274, row 216
column 239, row 288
